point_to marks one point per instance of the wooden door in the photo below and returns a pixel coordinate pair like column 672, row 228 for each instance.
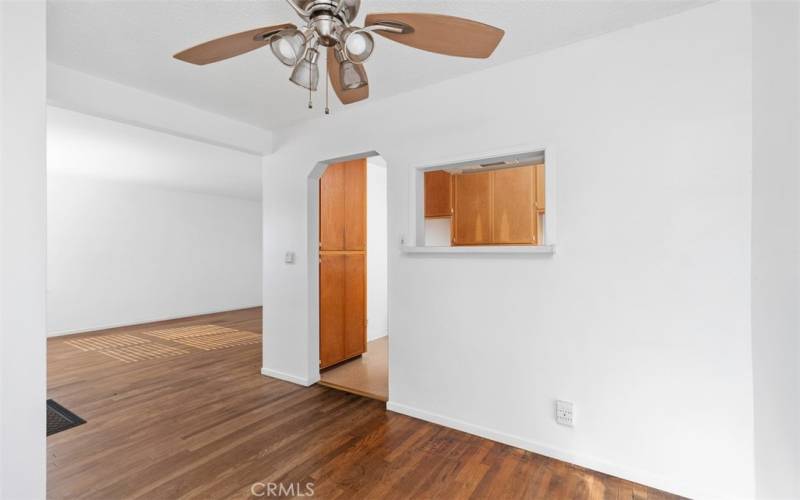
column 438, row 198
column 342, row 264
column 331, row 308
column 343, row 206
column 355, row 305
column 332, row 208
column 472, row 216
column 514, row 210
column 355, row 205
column 342, row 291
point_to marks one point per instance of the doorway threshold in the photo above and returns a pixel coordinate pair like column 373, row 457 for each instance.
column 367, row 375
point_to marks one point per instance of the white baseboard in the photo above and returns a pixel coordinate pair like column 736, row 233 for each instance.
column 588, row 462
column 288, row 377
column 143, row 321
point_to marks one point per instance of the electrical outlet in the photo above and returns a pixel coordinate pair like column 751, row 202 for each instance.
column 565, row 414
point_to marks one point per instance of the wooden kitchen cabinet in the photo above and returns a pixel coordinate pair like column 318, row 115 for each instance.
column 472, row 214
column 513, row 211
column 355, row 205
column 355, row 305
column 331, row 208
column 342, row 290
column 438, row 194
column 343, row 206
column 331, row 309
column 498, row 207
column 342, row 262
column 539, row 188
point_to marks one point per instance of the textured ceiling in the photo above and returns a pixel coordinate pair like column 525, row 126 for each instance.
column 131, row 42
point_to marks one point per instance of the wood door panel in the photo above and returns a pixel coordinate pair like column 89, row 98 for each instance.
column 540, row 188
column 355, row 305
column 331, row 308
column 355, row 205
column 332, row 208
column 513, row 211
column 438, row 196
column 343, row 242
column 473, row 209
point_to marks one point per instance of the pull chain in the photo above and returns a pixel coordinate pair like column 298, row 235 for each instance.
column 310, row 102
column 327, row 86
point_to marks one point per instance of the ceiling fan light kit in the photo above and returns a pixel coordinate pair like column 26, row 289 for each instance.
column 351, row 78
column 289, row 46
column 357, row 45
column 306, row 73
column 327, row 23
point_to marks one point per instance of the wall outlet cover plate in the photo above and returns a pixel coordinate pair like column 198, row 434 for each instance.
column 565, row 414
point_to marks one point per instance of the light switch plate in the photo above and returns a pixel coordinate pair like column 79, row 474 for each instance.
column 565, row 414
column 289, row 259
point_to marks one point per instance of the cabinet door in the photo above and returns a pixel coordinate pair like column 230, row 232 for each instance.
column 331, row 309
column 355, row 205
column 342, row 271
column 332, row 208
column 438, row 200
column 343, row 206
column 342, row 307
column 472, row 221
column 540, row 188
column 355, row 305
column 513, row 211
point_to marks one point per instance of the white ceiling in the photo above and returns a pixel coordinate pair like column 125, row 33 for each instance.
column 131, row 42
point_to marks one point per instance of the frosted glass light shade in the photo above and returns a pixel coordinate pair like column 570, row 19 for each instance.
column 351, row 77
column 306, row 74
column 358, row 46
column 289, row 46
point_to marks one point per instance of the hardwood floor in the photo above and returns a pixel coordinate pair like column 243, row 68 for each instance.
column 367, row 375
column 203, row 423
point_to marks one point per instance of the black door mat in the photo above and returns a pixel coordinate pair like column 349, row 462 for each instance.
column 60, row 419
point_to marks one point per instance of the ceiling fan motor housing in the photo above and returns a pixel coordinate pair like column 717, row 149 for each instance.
column 347, row 11
column 329, row 18
column 327, row 28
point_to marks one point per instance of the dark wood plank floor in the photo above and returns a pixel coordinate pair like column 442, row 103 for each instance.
column 169, row 419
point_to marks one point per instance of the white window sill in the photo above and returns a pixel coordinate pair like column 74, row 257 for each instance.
column 499, row 249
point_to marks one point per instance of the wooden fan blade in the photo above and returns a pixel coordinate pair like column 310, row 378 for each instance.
column 346, row 96
column 452, row 36
column 229, row 46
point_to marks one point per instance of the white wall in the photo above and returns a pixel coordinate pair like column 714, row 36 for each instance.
column 80, row 144
column 776, row 249
column 145, row 226
column 642, row 317
column 77, row 91
column 438, row 232
column 377, row 257
column 2, row 232
column 22, row 249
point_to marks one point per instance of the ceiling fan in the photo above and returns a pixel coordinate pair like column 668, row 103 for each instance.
column 327, row 25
